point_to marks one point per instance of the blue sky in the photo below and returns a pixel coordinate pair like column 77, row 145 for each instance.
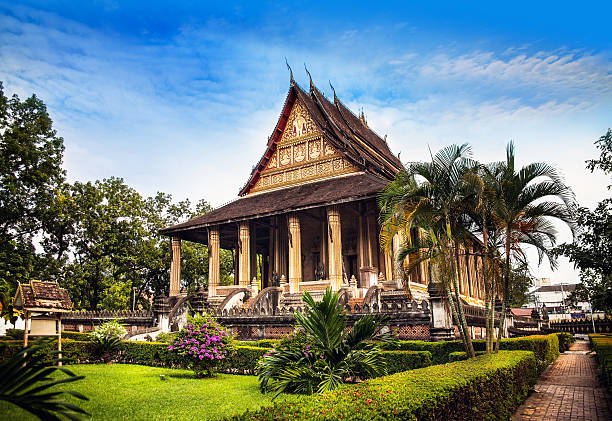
column 180, row 97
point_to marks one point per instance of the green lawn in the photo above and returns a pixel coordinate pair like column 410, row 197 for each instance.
column 135, row 392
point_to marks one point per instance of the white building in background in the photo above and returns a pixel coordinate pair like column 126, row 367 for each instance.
column 542, row 282
column 555, row 298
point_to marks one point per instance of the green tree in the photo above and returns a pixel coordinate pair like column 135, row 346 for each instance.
column 431, row 196
column 591, row 252
column 528, row 201
column 520, row 282
column 30, row 172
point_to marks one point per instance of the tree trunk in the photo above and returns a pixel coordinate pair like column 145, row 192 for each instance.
column 491, row 320
column 451, row 303
column 502, row 317
column 468, row 339
column 485, row 277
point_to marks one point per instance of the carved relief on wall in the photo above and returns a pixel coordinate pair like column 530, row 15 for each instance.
column 301, row 155
column 299, row 123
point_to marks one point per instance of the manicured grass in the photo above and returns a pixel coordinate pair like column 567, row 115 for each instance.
column 135, row 392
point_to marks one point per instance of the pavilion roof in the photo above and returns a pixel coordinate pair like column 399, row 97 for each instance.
column 334, row 190
column 42, row 296
column 348, row 133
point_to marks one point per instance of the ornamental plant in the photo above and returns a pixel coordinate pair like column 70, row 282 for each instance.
column 202, row 343
column 324, row 352
column 107, row 338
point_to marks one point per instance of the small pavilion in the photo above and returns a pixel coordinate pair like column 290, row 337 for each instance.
column 307, row 217
column 42, row 304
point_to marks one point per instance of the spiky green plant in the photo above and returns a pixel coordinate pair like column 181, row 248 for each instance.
column 27, row 382
column 324, row 353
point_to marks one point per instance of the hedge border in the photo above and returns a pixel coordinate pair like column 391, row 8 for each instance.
column 602, row 345
column 486, row 387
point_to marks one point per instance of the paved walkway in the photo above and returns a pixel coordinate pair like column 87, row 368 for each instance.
column 569, row 389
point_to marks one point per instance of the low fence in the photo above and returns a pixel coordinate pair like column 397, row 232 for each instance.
column 86, row 321
column 603, row 324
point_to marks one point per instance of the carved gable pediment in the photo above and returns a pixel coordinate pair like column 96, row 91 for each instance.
column 302, row 154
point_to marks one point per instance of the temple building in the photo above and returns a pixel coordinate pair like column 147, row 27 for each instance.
column 307, row 217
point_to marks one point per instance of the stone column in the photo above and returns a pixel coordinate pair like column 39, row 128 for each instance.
column 175, row 267
column 280, row 246
column 295, row 253
column 271, row 263
column 244, row 259
column 334, row 246
column 323, row 254
column 214, row 261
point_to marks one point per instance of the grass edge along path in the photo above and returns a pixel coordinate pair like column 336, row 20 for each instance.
column 136, row 392
column 487, row 387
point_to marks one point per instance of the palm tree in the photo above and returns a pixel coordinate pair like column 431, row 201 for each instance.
column 328, row 354
column 524, row 212
column 430, row 196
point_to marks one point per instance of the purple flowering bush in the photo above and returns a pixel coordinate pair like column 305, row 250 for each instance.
column 202, row 343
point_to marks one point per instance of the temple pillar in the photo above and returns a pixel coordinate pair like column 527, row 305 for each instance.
column 214, row 261
column 280, row 247
column 244, row 255
column 271, row 264
column 334, row 246
column 373, row 249
column 295, row 253
column 175, row 267
column 323, row 247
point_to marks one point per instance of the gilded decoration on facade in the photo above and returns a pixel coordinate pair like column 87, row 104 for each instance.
column 301, row 155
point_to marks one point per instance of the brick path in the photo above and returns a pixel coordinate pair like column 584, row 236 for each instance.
column 569, row 389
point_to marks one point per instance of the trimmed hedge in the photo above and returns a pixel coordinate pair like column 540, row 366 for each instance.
column 461, row 356
column 545, row 348
column 439, row 350
column 487, row 387
column 398, row 361
column 76, row 336
column 602, row 345
column 144, row 353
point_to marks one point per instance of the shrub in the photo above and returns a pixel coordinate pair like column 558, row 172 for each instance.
column 202, row 343
column 602, row 345
column 14, row 334
column 166, row 337
column 565, row 340
column 545, row 347
column 326, row 352
column 461, row 355
column 398, row 361
column 107, row 338
column 439, row 350
column 486, row 387
column 75, row 336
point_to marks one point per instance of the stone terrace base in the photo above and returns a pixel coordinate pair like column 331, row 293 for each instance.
column 568, row 390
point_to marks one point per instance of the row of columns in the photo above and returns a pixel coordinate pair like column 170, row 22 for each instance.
column 288, row 238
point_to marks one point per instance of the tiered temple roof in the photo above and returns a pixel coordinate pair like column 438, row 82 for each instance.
column 356, row 162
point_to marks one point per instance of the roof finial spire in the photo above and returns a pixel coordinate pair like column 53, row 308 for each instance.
column 292, row 81
column 312, row 87
column 362, row 117
column 334, row 91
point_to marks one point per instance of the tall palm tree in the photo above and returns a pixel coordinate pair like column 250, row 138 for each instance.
column 430, row 196
column 527, row 203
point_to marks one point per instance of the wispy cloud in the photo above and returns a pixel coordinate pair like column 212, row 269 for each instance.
column 189, row 113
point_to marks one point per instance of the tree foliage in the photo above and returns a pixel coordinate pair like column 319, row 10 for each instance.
column 97, row 239
column 591, row 252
